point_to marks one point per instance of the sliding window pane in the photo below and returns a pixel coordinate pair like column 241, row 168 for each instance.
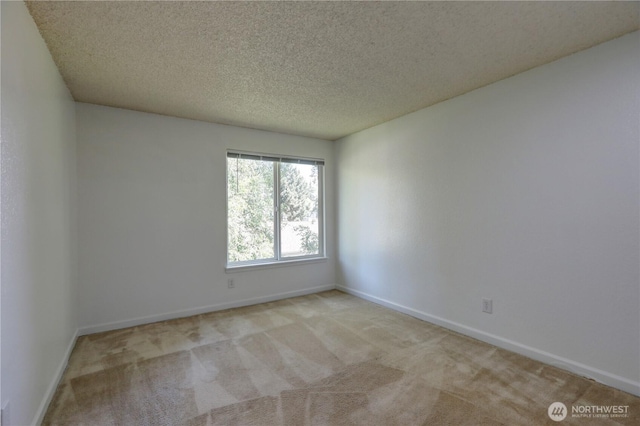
column 250, row 215
column 299, row 228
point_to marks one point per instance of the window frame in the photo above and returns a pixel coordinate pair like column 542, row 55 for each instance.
column 278, row 259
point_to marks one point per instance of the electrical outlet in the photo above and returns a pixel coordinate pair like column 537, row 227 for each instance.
column 230, row 283
column 487, row 306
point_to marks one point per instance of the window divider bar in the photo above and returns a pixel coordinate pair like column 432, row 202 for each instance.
column 276, row 216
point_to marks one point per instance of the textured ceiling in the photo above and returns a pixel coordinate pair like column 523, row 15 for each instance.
column 321, row 69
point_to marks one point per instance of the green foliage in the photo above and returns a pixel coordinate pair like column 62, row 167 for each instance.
column 309, row 239
column 299, row 202
column 298, row 196
column 251, row 205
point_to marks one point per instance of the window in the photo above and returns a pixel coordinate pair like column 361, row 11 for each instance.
column 274, row 209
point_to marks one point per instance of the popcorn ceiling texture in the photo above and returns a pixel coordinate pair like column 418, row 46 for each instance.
column 319, row 69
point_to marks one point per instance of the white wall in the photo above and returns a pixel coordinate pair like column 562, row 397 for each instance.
column 525, row 191
column 152, row 217
column 38, row 218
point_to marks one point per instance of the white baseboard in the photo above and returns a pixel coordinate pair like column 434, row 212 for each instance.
column 200, row 310
column 528, row 351
column 48, row 396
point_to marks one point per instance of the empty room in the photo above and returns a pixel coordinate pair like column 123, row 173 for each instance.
column 320, row 213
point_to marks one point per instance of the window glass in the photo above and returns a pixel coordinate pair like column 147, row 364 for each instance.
column 274, row 209
column 250, row 210
column 299, row 209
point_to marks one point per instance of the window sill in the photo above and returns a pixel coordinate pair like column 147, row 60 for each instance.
column 277, row 264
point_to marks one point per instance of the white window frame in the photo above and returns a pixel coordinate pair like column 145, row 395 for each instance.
column 278, row 260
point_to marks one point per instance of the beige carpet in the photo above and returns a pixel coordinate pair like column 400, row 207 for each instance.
column 323, row 359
